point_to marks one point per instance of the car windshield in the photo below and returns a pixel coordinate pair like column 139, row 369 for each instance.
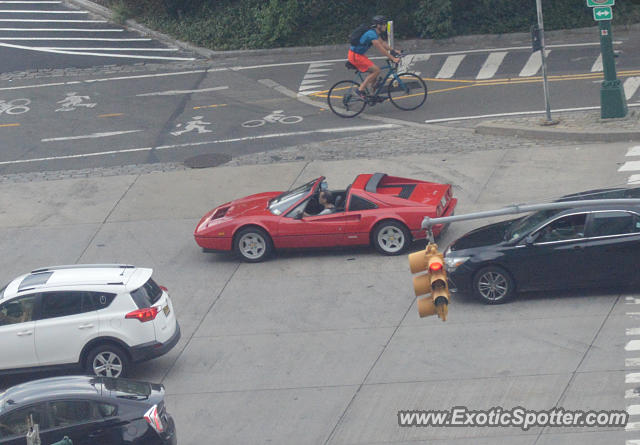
column 523, row 226
column 2, row 291
column 282, row 202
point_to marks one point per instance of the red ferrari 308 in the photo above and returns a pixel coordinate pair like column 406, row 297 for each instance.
column 377, row 209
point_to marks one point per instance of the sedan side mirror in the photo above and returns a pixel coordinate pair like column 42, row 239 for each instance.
column 530, row 239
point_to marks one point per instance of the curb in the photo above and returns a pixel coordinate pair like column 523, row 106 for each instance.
column 495, row 129
column 413, row 45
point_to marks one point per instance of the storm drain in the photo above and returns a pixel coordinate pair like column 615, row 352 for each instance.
column 207, row 160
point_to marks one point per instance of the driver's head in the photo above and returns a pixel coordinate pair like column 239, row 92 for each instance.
column 325, row 197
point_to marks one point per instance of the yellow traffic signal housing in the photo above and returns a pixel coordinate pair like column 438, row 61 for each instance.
column 434, row 281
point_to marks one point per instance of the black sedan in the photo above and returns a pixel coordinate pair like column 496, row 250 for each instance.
column 575, row 247
column 88, row 410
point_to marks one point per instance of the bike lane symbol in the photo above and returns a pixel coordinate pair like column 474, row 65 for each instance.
column 276, row 116
column 72, row 101
column 194, row 125
column 15, row 106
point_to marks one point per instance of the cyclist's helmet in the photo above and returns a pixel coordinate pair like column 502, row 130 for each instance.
column 379, row 20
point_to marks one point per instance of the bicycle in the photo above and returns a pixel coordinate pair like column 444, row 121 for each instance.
column 406, row 91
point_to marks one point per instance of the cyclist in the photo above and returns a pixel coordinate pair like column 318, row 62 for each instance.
column 362, row 62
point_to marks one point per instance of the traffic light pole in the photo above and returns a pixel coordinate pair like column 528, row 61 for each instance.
column 612, row 99
column 427, row 222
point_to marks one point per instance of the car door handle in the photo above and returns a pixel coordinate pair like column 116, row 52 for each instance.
column 24, row 333
column 85, row 326
column 96, row 433
column 577, row 247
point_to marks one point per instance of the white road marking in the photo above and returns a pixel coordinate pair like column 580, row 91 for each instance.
column 176, row 92
column 81, row 53
column 89, row 136
column 633, row 345
column 633, row 179
column 631, row 394
column 317, row 70
column 597, row 65
column 633, row 410
column 39, row 11
column 491, row 65
column 88, row 39
column 631, row 86
column 634, row 377
column 632, row 362
column 51, row 21
column 534, row 63
column 450, row 66
column 632, row 426
column 630, row 166
column 633, row 331
column 313, row 79
column 104, row 49
column 517, row 113
column 634, row 151
column 60, row 30
column 631, row 300
column 194, row 144
column 632, row 442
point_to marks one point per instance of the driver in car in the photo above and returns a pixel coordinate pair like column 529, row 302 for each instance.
column 324, row 198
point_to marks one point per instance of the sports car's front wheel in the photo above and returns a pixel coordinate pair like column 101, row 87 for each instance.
column 391, row 237
column 253, row 244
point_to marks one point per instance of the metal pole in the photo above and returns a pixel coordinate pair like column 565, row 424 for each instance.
column 547, row 105
column 524, row 208
column 390, row 33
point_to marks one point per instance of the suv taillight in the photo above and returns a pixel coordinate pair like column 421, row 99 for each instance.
column 164, row 288
column 153, row 418
column 142, row 315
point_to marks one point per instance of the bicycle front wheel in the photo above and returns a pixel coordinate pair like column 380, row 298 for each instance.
column 343, row 99
column 407, row 91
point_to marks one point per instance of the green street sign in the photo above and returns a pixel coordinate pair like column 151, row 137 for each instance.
column 595, row 3
column 602, row 13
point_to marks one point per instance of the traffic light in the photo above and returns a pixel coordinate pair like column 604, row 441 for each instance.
column 434, row 281
column 536, row 41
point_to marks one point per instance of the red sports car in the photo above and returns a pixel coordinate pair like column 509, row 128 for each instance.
column 377, row 209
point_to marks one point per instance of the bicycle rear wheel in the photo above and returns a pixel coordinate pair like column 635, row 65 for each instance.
column 408, row 91
column 343, row 99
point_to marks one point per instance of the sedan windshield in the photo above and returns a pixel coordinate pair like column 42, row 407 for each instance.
column 282, row 202
column 521, row 227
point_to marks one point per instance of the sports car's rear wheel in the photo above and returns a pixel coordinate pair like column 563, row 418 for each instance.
column 253, row 244
column 391, row 238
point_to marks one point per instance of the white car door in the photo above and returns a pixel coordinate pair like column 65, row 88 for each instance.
column 66, row 323
column 17, row 333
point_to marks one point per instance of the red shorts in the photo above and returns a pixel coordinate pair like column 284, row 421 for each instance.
column 360, row 61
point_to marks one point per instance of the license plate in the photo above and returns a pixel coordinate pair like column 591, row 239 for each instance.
column 166, row 310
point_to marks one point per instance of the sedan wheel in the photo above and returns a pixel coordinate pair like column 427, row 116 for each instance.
column 253, row 245
column 493, row 285
column 391, row 238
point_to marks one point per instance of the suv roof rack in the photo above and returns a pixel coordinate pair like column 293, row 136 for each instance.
column 84, row 266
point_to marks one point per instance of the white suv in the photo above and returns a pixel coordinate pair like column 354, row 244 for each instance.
column 102, row 317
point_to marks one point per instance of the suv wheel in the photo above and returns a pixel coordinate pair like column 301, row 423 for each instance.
column 108, row 361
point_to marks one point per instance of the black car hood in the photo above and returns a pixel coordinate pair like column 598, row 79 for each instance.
column 484, row 236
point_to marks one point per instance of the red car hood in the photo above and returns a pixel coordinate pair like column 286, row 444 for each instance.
column 251, row 205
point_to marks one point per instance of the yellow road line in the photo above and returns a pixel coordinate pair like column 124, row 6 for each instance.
column 210, row 106
column 111, row 115
column 9, row 125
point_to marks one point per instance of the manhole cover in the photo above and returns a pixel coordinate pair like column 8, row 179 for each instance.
column 207, row 160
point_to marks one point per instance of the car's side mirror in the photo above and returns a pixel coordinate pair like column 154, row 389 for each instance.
column 530, row 239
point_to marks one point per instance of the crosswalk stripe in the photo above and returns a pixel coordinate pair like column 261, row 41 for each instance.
column 491, row 65
column 633, row 410
column 631, row 394
column 450, row 66
column 634, row 377
column 630, row 166
column 313, row 76
column 632, row 426
column 633, row 345
column 632, row 362
column 633, row 331
column 317, row 70
column 533, row 65
column 632, row 442
column 634, row 151
column 597, row 65
column 633, row 179
column 631, row 86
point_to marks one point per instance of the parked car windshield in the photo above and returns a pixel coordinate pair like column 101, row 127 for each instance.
column 523, row 226
column 285, row 200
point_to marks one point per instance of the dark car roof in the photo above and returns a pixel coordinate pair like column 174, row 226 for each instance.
column 607, row 193
column 68, row 386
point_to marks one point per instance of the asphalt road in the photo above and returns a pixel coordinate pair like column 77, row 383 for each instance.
column 326, row 346
column 169, row 113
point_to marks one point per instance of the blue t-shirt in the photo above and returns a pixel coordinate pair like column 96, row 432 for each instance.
column 365, row 42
